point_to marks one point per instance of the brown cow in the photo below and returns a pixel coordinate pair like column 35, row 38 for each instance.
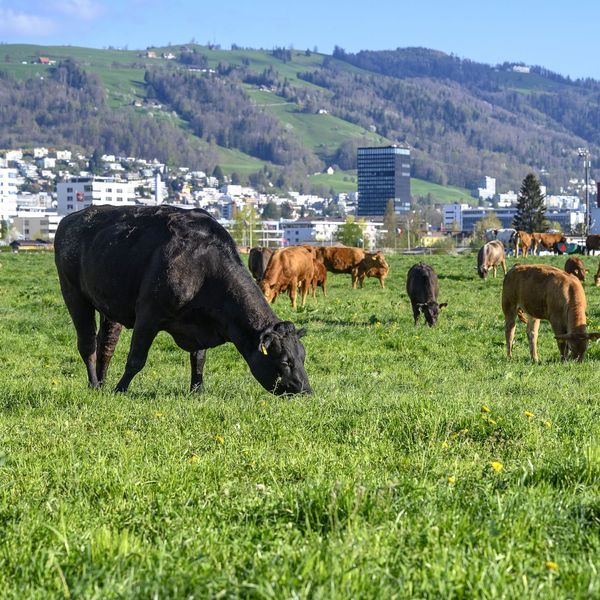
column 547, row 240
column 319, row 278
column 545, row 292
column 288, row 269
column 258, row 259
column 373, row 265
column 341, row 259
column 597, row 277
column 592, row 242
column 575, row 266
column 523, row 240
column 490, row 255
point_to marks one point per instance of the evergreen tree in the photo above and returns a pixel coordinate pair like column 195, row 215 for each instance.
column 390, row 224
column 531, row 208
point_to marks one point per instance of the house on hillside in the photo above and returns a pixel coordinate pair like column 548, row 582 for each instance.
column 43, row 60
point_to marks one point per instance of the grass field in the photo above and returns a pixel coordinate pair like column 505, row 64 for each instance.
column 381, row 484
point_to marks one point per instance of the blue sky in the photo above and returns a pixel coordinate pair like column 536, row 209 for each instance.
column 555, row 34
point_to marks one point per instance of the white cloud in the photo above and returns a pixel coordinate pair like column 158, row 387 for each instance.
column 19, row 23
column 80, row 9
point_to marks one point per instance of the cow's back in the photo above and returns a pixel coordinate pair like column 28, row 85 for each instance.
column 341, row 260
column 111, row 254
column 542, row 291
column 290, row 263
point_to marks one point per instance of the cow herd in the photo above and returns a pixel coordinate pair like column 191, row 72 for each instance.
column 304, row 268
column 162, row 268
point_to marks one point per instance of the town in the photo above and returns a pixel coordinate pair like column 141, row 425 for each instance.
column 39, row 186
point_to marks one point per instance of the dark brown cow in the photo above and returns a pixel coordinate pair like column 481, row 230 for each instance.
column 258, row 259
column 490, row 255
column 545, row 292
column 575, row 266
column 547, row 241
column 592, row 242
column 288, row 269
column 373, row 265
column 319, row 278
column 341, row 259
column 523, row 240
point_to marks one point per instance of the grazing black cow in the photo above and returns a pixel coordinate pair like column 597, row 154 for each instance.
column 423, row 288
column 258, row 259
column 168, row 269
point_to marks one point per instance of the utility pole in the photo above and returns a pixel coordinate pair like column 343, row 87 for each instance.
column 585, row 154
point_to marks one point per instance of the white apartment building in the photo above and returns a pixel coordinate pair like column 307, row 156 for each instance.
column 40, row 152
column 489, row 189
column 8, row 193
column 81, row 192
column 37, row 225
column 63, row 155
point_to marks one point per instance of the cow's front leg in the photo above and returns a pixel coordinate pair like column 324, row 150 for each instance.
column 197, row 360
column 141, row 340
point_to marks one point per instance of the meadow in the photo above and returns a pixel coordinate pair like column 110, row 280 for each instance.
column 424, row 465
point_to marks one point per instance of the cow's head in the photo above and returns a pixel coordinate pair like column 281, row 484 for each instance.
column 577, row 342
column 277, row 361
column 270, row 291
column 379, row 259
column 431, row 311
column 482, row 271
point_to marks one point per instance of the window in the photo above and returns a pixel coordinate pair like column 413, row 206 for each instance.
column 69, row 198
column 109, row 189
column 26, row 230
column 69, row 189
column 119, row 198
column 69, row 207
column 87, row 188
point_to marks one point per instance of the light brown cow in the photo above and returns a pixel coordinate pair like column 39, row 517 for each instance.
column 341, row 259
column 373, row 265
column 490, row 255
column 319, row 278
column 592, row 243
column 547, row 241
column 523, row 240
column 545, row 292
column 288, row 269
column 575, row 266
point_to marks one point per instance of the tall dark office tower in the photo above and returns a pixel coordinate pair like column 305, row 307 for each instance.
column 383, row 175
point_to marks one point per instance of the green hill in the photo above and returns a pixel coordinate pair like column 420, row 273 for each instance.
column 292, row 113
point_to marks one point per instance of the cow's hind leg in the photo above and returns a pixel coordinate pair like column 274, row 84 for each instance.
column 415, row 310
column 510, row 324
column 144, row 333
column 83, row 315
column 106, row 341
column 197, row 360
column 533, row 326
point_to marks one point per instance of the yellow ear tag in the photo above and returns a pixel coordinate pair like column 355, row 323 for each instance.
column 263, row 349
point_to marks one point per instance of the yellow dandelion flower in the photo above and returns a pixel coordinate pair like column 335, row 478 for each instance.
column 551, row 565
column 194, row 458
column 497, row 466
column 489, row 420
column 445, row 444
column 451, row 479
column 486, row 409
column 529, row 414
column 548, row 424
column 159, row 414
column 220, row 439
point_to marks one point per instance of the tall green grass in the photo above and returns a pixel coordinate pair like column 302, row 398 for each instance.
column 380, row 484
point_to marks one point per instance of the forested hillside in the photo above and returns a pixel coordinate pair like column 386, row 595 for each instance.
column 283, row 114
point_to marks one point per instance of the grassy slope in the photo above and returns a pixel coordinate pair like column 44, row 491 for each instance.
column 124, row 83
column 342, row 494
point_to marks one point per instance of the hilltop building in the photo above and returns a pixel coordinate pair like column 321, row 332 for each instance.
column 383, row 175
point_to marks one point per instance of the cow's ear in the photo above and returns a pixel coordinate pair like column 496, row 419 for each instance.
column 443, row 305
column 301, row 332
column 265, row 340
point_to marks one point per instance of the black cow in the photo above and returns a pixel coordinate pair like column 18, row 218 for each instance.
column 423, row 288
column 168, row 269
column 258, row 259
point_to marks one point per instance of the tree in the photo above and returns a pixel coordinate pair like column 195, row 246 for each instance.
column 245, row 226
column 271, row 211
column 531, row 208
column 390, row 224
column 490, row 221
column 351, row 233
column 218, row 173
